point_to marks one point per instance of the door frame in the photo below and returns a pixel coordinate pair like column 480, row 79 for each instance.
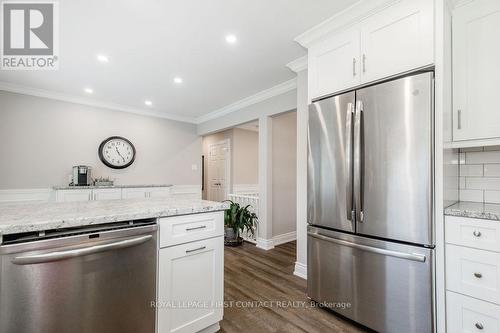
column 227, row 174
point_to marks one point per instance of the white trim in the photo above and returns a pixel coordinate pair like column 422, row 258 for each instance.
column 20, row 195
column 284, row 238
column 258, row 97
column 298, row 65
column 300, row 270
column 19, row 89
column 345, row 18
column 245, row 188
column 265, row 244
column 472, row 143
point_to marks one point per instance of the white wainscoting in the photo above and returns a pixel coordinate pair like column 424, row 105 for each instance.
column 245, row 188
column 35, row 194
column 48, row 194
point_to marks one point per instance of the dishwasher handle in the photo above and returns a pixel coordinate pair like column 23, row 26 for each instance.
column 61, row 255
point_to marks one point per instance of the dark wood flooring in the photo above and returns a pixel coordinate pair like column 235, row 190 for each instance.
column 254, row 278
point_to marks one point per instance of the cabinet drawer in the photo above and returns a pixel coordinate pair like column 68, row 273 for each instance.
column 480, row 234
column 465, row 315
column 473, row 272
column 189, row 228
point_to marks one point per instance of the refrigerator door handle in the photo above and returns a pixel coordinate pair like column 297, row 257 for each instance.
column 358, row 161
column 396, row 254
column 348, row 157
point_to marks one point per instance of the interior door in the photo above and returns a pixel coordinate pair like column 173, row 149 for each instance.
column 395, row 142
column 329, row 182
column 218, row 171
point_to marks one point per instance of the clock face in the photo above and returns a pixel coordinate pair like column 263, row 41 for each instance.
column 117, row 152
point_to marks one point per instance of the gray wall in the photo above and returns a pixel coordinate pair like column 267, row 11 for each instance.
column 284, row 166
column 41, row 139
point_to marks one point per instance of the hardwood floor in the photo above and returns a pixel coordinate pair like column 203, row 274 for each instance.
column 254, row 278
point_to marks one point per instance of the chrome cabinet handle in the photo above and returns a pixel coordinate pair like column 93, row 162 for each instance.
column 358, row 161
column 479, row 326
column 459, row 119
column 477, row 233
column 403, row 255
column 198, row 249
column 478, row 275
column 364, row 63
column 196, row 228
column 353, row 66
column 61, row 255
column 348, row 163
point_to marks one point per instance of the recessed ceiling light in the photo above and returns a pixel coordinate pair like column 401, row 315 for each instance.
column 178, row 80
column 88, row 90
column 102, row 58
column 231, row 39
column 148, row 102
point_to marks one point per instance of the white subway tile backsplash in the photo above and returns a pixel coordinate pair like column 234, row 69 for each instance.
column 472, row 170
column 472, row 195
column 479, row 174
column 492, row 197
column 492, row 170
column 482, row 183
column 482, row 157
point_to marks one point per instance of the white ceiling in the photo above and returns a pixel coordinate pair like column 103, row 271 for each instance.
column 150, row 42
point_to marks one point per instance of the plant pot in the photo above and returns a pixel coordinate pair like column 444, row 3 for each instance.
column 231, row 238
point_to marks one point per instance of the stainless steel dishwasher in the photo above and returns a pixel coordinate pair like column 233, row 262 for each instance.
column 85, row 280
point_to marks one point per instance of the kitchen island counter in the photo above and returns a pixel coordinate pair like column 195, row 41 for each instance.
column 29, row 217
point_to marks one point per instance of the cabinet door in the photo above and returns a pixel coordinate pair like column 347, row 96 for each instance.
column 398, row 39
column 190, row 286
column 107, row 194
column 135, row 193
column 334, row 64
column 73, row 195
column 159, row 192
column 466, row 315
column 476, row 70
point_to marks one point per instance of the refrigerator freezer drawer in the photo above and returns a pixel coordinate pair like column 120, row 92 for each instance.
column 384, row 286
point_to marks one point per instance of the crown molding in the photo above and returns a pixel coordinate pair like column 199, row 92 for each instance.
column 25, row 90
column 343, row 19
column 298, row 65
column 258, row 97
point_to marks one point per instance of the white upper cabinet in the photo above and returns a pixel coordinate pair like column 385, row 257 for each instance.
column 476, row 70
column 393, row 37
column 334, row 64
column 397, row 40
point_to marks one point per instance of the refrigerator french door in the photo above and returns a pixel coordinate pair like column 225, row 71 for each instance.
column 370, row 182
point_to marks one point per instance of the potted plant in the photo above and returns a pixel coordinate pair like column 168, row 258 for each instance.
column 236, row 220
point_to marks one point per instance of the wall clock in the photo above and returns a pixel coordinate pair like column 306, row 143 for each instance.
column 117, row 152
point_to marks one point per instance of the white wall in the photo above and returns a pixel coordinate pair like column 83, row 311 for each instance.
column 41, row 139
column 284, row 186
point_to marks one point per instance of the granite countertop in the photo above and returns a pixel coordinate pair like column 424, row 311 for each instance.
column 69, row 187
column 475, row 210
column 27, row 217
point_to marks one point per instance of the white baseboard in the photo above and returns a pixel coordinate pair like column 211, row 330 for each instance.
column 268, row 244
column 265, row 244
column 300, row 270
column 32, row 194
column 284, row 238
column 211, row 329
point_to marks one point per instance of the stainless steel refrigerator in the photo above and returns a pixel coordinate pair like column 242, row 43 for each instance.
column 370, row 204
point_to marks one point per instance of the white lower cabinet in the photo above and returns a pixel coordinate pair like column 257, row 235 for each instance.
column 135, row 193
column 73, row 195
column 159, row 192
column 467, row 315
column 190, row 283
column 107, row 194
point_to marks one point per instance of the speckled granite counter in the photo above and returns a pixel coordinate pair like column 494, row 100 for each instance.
column 474, row 210
column 67, row 187
column 26, row 217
